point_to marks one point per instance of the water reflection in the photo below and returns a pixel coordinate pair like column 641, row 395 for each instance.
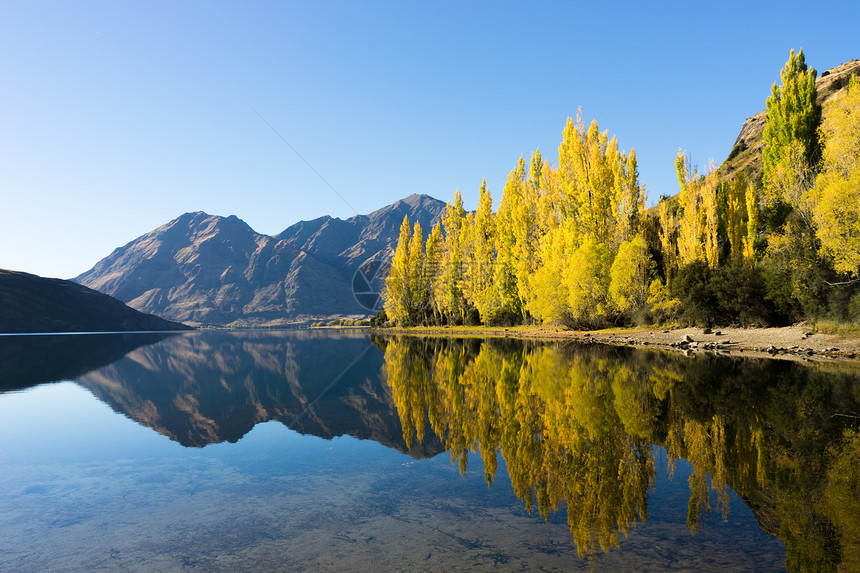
column 29, row 360
column 577, row 425
column 211, row 387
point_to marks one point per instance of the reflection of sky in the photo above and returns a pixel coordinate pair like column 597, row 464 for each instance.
column 80, row 481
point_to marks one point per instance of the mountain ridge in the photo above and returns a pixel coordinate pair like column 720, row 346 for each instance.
column 206, row 269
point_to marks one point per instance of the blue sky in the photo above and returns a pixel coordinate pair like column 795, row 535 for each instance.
column 116, row 117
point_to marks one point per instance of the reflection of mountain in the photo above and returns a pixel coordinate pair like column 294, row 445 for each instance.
column 212, row 387
column 577, row 425
column 29, row 360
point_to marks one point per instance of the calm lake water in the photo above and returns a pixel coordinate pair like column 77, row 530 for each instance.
column 327, row 451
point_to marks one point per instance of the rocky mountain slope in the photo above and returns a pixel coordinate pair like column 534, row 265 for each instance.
column 29, row 303
column 746, row 154
column 208, row 270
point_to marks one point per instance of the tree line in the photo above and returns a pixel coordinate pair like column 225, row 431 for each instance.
column 573, row 243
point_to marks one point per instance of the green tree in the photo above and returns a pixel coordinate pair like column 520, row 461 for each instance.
column 791, row 147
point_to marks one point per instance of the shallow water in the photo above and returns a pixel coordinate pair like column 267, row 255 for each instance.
column 286, row 451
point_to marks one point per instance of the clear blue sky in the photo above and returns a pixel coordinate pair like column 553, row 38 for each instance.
column 117, row 116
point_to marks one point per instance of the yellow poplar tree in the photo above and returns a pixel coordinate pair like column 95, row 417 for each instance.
column 419, row 293
column 736, row 191
column 628, row 286
column 506, row 240
column 836, row 196
column 432, row 267
column 691, row 218
column 479, row 285
column 588, row 276
column 668, row 236
column 709, row 189
column 752, row 201
column 396, row 296
column 451, row 278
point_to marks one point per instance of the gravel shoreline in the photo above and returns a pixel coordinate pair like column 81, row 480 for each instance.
column 790, row 342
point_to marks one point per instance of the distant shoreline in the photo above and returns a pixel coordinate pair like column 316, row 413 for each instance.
column 789, row 342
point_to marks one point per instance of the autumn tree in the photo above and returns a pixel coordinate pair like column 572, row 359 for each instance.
column 507, row 249
column 691, row 207
column 400, row 285
column 449, row 281
column 735, row 214
column 432, row 265
column 752, row 204
column 479, row 285
column 629, row 275
column 836, row 195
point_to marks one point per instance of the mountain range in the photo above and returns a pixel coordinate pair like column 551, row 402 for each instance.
column 203, row 269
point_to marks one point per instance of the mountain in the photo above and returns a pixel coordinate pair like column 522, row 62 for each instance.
column 212, row 270
column 29, row 303
column 746, row 153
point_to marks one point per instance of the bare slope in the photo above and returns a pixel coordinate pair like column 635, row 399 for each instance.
column 29, row 303
column 206, row 269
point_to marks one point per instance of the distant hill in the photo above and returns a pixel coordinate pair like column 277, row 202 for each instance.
column 209, row 270
column 29, row 303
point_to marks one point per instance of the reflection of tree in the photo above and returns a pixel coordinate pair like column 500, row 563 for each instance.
column 578, row 426
column 553, row 421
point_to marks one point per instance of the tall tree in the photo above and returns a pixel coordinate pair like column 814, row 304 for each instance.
column 419, row 293
column 479, row 277
column 752, row 205
column 691, row 207
column 513, row 195
column 396, row 297
column 791, row 146
column 432, row 270
column 451, row 278
column 836, row 196
column 735, row 214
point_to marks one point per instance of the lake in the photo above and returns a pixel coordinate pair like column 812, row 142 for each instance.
column 338, row 451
